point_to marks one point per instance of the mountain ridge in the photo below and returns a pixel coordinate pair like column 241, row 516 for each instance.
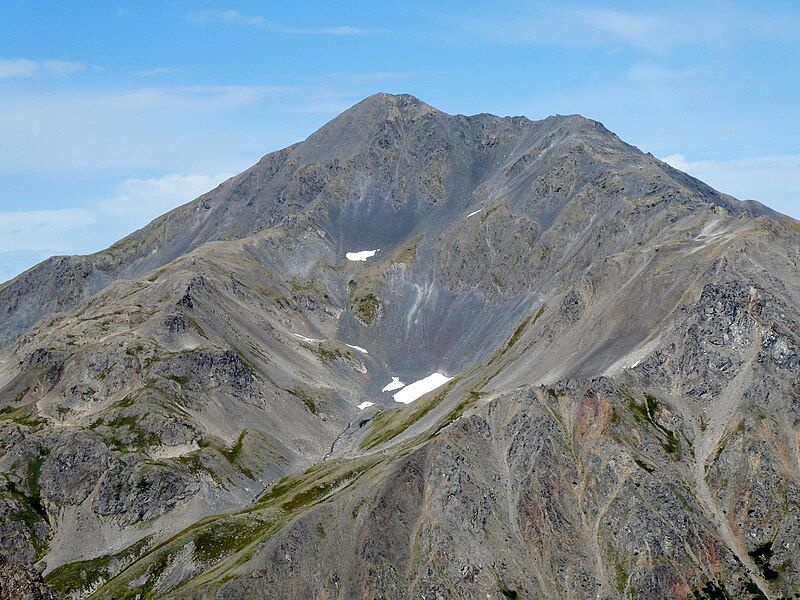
column 183, row 410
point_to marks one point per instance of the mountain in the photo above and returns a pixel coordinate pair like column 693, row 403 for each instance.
column 199, row 410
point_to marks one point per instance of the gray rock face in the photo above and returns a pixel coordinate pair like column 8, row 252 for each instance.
column 178, row 413
column 19, row 583
column 138, row 492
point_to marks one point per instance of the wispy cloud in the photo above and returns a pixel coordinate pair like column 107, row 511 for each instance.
column 162, row 128
column 155, row 71
column 167, row 128
column 16, row 68
column 770, row 179
column 234, row 17
column 139, row 201
column 635, row 29
column 208, row 97
column 650, row 31
column 27, row 231
column 27, row 237
column 650, row 73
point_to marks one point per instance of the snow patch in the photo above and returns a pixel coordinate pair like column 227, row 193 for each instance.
column 306, row 339
column 364, row 405
column 419, row 388
column 359, row 348
column 395, row 384
column 361, row 256
column 474, row 212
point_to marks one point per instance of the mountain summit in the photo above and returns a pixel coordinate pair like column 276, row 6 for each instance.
column 415, row 355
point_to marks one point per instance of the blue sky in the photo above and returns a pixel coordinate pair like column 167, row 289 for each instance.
column 112, row 113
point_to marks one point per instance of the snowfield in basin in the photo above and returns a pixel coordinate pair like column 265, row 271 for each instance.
column 394, row 384
column 361, row 256
column 414, row 390
column 359, row 348
column 308, row 339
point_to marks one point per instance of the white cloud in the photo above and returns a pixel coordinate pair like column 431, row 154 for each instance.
column 209, row 97
column 15, row 68
column 772, row 180
column 234, row 17
column 27, row 237
column 637, row 30
column 227, row 16
column 155, row 71
column 174, row 129
column 139, row 201
column 166, row 128
column 42, row 230
column 648, row 30
column 574, row 27
column 61, row 68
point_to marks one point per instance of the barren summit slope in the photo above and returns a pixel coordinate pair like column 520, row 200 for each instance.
column 180, row 412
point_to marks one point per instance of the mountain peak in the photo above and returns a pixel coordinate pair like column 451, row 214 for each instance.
column 383, row 106
column 398, row 100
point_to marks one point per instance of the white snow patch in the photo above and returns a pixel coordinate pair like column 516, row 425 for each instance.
column 306, row 339
column 475, row 212
column 361, row 256
column 419, row 388
column 359, row 348
column 365, row 404
column 395, row 384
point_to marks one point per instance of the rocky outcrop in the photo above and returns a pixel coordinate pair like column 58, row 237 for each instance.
column 20, row 583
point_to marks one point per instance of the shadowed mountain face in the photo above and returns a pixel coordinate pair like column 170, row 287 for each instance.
column 179, row 414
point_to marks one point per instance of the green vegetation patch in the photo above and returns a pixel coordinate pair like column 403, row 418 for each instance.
column 311, row 486
column 712, row 590
column 646, row 412
column 529, row 320
column 458, row 410
column 181, row 380
column 643, row 465
column 126, row 402
column 305, row 398
column 250, row 450
column 390, row 423
column 84, row 574
column 509, row 593
column 225, row 537
column 312, row 287
column 621, row 577
column 329, row 351
column 234, row 454
column 762, row 556
column 141, row 437
column 23, row 415
column 367, row 307
column 224, row 542
column 134, row 350
column 407, row 254
column 31, row 509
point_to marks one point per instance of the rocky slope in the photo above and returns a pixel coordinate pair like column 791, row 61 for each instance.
column 180, row 413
